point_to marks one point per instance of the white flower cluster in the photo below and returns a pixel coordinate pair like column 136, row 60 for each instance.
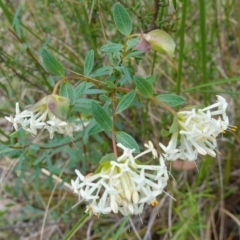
column 123, row 185
column 197, row 132
column 41, row 118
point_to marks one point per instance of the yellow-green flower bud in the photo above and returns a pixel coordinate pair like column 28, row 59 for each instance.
column 57, row 105
column 160, row 41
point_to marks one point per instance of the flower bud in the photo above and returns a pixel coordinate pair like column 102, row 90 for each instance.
column 160, row 41
column 57, row 105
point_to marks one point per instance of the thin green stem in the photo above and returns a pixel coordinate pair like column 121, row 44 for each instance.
column 181, row 48
column 154, row 61
column 203, row 45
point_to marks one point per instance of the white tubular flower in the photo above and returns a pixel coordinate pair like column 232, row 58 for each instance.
column 46, row 114
column 151, row 147
column 197, row 132
column 122, row 185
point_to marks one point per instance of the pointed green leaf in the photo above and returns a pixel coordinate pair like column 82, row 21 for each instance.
column 135, row 54
column 122, row 19
column 95, row 129
column 67, row 90
column 125, row 102
column 111, row 47
column 132, row 42
column 126, row 73
column 101, row 117
column 171, row 99
column 143, row 86
column 102, row 71
column 174, row 126
column 127, row 141
column 108, row 158
column 79, row 90
column 52, row 64
column 151, row 79
column 110, row 84
column 105, row 162
column 88, row 63
column 165, row 133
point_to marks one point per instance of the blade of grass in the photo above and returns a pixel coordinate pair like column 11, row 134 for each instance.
column 222, row 81
column 120, row 229
column 76, row 227
column 6, row 12
column 203, row 45
column 181, row 48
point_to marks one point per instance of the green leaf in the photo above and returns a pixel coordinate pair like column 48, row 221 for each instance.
column 105, row 161
column 126, row 73
column 111, row 84
column 132, row 43
column 101, row 117
column 171, row 99
column 151, row 79
column 127, row 141
column 174, row 126
column 88, row 63
column 165, row 133
column 94, row 91
column 34, row 147
column 125, row 102
column 122, row 19
column 111, row 47
column 143, row 86
column 16, row 23
column 67, row 90
column 95, row 129
column 108, row 158
column 104, row 98
column 102, row 71
column 79, row 90
column 135, row 54
column 52, row 64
